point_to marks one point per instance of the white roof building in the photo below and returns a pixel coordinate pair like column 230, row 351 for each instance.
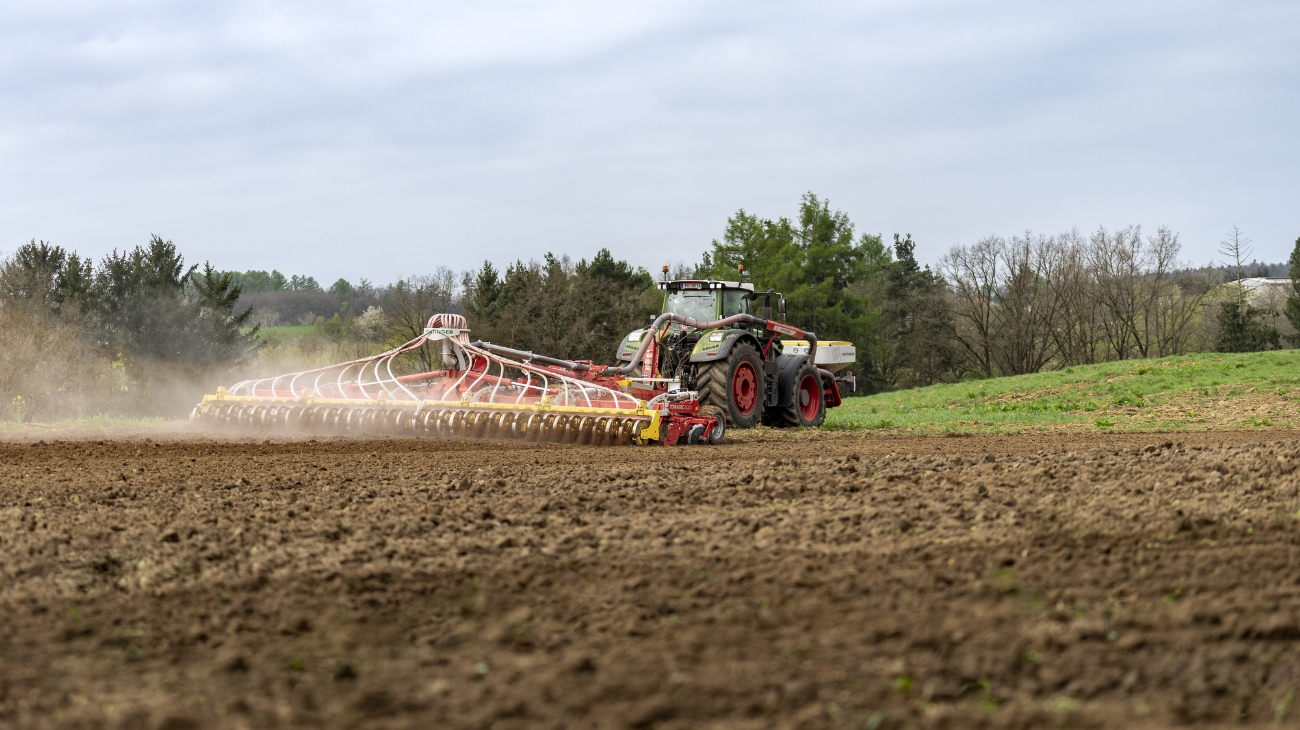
column 1264, row 282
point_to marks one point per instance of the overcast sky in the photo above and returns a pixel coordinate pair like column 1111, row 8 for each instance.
column 386, row 138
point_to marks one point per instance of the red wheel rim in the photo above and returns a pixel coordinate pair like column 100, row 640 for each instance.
column 810, row 394
column 744, row 388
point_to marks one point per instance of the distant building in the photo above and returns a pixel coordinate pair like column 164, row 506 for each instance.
column 1269, row 294
column 1266, row 285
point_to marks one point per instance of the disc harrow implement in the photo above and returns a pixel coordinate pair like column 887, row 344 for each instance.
column 479, row 391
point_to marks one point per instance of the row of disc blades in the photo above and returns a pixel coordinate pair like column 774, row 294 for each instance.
column 534, row 426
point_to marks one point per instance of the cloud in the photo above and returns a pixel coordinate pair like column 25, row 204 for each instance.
column 388, row 138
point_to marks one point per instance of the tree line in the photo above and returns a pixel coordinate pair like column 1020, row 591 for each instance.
column 118, row 334
column 1002, row 305
column 997, row 306
column 579, row 310
column 82, row 336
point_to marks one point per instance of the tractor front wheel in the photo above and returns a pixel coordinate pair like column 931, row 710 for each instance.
column 734, row 384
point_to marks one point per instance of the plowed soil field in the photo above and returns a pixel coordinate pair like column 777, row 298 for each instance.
column 832, row 581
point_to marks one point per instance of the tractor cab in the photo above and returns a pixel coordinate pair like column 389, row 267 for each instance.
column 710, row 300
column 707, row 300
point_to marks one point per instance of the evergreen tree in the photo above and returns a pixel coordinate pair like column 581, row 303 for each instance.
column 45, row 277
column 251, row 281
column 1292, row 307
column 609, row 299
column 482, row 289
column 914, row 340
column 303, row 283
column 1242, row 329
column 151, row 310
column 558, row 308
column 138, row 297
column 829, row 276
column 762, row 246
column 218, row 335
column 343, row 290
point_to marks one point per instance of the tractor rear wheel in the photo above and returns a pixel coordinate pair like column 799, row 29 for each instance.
column 807, row 403
column 734, row 384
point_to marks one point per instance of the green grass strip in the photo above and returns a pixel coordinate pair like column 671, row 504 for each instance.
column 1189, row 391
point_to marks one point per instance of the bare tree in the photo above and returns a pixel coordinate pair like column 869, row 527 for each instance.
column 1139, row 284
column 1026, row 310
column 408, row 304
column 974, row 274
column 1117, row 261
column 1036, row 301
column 1174, row 300
column 1077, row 329
column 1236, row 250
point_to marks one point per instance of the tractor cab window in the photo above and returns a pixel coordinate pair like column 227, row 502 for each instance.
column 698, row 304
column 734, row 301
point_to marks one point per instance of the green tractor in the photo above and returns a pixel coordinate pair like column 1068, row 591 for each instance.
column 713, row 338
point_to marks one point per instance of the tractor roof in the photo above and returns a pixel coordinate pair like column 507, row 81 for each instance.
column 706, row 284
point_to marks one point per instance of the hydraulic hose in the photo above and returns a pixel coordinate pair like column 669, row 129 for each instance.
column 525, row 356
column 724, row 322
column 583, row 367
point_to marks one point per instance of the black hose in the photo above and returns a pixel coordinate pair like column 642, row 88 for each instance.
column 687, row 321
column 645, row 343
column 581, row 367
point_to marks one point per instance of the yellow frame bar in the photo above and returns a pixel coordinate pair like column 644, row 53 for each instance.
column 650, row 431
